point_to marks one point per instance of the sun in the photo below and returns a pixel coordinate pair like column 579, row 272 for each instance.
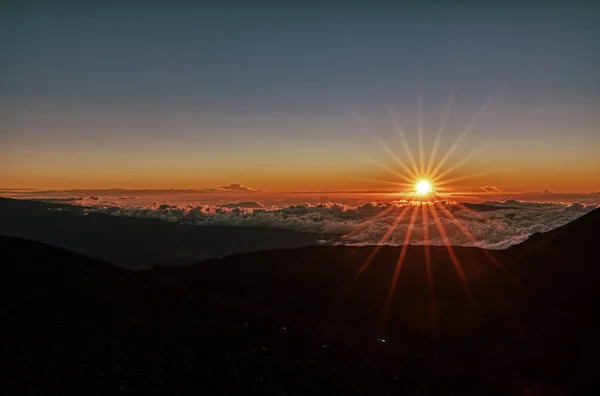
column 423, row 187
column 425, row 183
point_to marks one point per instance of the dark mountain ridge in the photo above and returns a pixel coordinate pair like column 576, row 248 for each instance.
column 298, row 321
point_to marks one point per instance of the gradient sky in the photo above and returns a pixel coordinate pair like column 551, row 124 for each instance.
column 283, row 97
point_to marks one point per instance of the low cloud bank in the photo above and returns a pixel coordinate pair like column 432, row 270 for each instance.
column 492, row 225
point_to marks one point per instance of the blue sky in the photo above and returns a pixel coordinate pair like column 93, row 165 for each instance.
column 250, row 80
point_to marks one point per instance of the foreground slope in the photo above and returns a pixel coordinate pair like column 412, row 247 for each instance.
column 527, row 312
column 73, row 326
column 295, row 321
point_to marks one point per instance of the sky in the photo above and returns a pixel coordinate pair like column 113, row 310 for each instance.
column 292, row 97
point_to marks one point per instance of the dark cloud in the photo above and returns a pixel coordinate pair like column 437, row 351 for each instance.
column 239, row 188
column 58, row 200
column 247, row 205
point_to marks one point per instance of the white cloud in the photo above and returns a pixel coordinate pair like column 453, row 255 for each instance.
column 511, row 223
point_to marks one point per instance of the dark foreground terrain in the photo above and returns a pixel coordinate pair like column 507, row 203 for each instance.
column 519, row 322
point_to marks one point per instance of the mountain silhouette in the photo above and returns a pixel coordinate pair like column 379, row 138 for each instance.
column 299, row 321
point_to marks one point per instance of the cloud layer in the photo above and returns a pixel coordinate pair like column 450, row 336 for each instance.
column 493, row 225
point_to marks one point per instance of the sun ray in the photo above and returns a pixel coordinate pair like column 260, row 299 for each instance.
column 494, row 222
column 461, row 206
column 402, row 135
column 388, row 182
column 428, row 269
column 367, row 222
column 385, row 237
column 474, row 212
column 465, row 177
column 420, row 133
column 393, row 155
column 388, row 169
column 365, row 121
column 451, row 253
column 399, row 264
column 459, row 163
column 456, row 222
column 472, row 238
column 461, row 137
column 438, row 137
column 426, row 178
column 480, row 215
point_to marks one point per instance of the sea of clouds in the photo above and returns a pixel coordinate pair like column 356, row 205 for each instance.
column 491, row 224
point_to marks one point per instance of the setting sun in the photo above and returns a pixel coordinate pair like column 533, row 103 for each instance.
column 423, row 187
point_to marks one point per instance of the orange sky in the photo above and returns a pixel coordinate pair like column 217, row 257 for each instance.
column 283, row 100
column 292, row 172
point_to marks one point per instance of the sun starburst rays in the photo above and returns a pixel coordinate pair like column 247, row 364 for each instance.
column 403, row 140
column 438, row 137
column 387, row 148
column 420, row 134
column 369, row 221
column 399, row 264
column 389, row 170
column 451, row 253
column 428, row 178
column 428, row 269
column 383, row 239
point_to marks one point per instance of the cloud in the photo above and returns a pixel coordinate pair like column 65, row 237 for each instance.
column 126, row 193
column 59, row 200
column 248, row 205
column 238, row 188
column 491, row 189
column 510, row 223
column 548, row 196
